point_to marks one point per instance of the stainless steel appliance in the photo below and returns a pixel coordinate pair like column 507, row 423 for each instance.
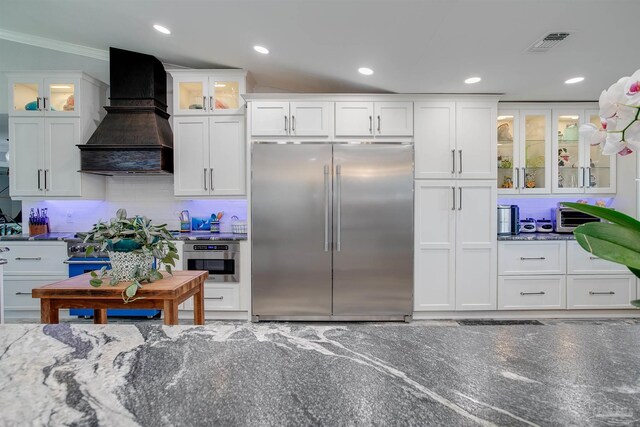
column 508, row 220
column 567, row 220
column 220, row 258
column 332, row 231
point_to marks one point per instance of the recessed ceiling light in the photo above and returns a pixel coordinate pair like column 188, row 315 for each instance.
column 160, row 28
column 366, row 71
column 472, row 80
column 261, row 49
column 574, row 80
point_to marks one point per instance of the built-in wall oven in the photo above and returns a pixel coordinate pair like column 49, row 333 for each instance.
column 220, row 259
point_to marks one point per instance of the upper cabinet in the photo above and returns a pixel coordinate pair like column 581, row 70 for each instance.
column 524, row 150
column 282, row 118
column 39, row 95
column 455, row 139
column 201, row 92
column 358, row 119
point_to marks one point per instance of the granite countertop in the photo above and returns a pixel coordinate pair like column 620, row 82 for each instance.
column 71, row 236
column 537, row 236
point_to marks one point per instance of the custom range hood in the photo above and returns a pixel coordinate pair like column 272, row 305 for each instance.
column 135, row 136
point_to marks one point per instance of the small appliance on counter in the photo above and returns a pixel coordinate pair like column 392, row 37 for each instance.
column 215, row 222
column 528, row 225
column 508, row 219
column 566, row 220
column 185, row 222
column 544, row 226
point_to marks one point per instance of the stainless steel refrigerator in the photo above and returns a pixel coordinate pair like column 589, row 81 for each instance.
column 332, row 231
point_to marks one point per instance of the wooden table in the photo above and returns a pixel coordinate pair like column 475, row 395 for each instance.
column 165, row 294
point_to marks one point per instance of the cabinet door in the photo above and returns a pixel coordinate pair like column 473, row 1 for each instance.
column 354, row 119
column 567, row 155
column 62, row 157
column 25, row 97
column 600, row 291
column 227, row 156
column 435, row 140
column 476, row 139
column 190, row 94
column 26, row 160
column 224, row 94
column 270, row 118
column 394, row 118
column 191, row 156
column 62, row 96
column 434, row 254
column 600, row 175
column 531, row 292
column 310, row 118
column 580, row 261
column 535, row 151
column 508, row 152
column 476, row 245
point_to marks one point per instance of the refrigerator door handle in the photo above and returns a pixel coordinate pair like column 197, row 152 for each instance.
column 326, row 208
column 339, row 202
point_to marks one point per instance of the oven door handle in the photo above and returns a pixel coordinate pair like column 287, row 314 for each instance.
column 70, row 262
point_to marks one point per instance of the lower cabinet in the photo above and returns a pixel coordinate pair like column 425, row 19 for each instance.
column 531, row 292
column 18, row 302
column 600, row 291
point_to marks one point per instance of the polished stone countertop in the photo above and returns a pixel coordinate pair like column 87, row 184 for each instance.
column 71, row 236
column 525, row 237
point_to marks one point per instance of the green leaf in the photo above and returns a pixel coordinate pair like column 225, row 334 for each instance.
column 94, row 274
column 96, row 283
column 113, row 281
column 121, row 214
column 131, row 290
column 168, row 268
column 89, row 250
column 636, row 303
column 611, row 242
column 155, row 275
column 607, row 214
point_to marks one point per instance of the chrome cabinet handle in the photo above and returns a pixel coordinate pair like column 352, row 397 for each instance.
column 293, row 123
column 211, row 179
column 44, row 103
column 46, row 187
column 35, row 258
column 371, row 124
column 39, row 185
column 460, row 206
column 532, row 258
column 453, row 198
column 378, row 124
column 216, row 298
column 517, row 177
column 601, row 293
column 339, row 197
column 453, row 162
column 460, row 166
column 587, row 179
column 86, row 262
column 582, row 172
column 593, row 257
column 532, row 293
column 204, row 175
column 326, row 208
column 38, row 104
column 23, row 293
column 524, row 178
column 211, row 103
column 204, row 103
column 286, row 125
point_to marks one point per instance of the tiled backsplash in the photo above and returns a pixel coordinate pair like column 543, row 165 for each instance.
column 150, row 196
column 540, row 208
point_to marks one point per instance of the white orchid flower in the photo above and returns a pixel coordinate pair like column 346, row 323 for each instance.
column 611, row 99
column 613, row 144
column 592, row 135
column 632, row 89
column 625, row 116
column 632, row 135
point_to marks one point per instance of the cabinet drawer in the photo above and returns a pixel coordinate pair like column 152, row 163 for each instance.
column 600, row 291
column 36, row 258
column 531, row 292
column 17, row 292
column 220, row 296
column 580, row 261
column 542, row 257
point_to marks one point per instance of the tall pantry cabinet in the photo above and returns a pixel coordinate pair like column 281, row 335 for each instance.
column 455, row 204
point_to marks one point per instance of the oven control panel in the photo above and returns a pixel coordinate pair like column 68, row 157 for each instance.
column 210, row 247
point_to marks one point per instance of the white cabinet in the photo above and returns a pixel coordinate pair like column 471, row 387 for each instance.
column 455, row 252
column 531, row 292
column 539, row 257
column 209, row 156
column 44, row 157
column 580, row 261
column 600, row 291
column 357, row 119
column 205, row 92
column 455, row 140
column 281, row 118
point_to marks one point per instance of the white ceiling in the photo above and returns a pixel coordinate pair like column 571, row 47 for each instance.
column 413, row 46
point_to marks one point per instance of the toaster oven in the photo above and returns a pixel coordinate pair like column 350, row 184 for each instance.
column 566, row 220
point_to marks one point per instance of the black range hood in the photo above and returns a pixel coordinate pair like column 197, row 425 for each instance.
column 135, row 136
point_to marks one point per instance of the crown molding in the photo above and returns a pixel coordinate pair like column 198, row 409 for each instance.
column 58, row 45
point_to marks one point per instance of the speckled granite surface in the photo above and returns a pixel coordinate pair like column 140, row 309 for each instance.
column 71, row 236
column 537, row 236
column 242, row 374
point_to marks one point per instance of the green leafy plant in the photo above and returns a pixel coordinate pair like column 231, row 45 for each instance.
column 617, row 240
column 137, row 235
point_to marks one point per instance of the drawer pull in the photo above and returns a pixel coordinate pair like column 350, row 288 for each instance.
column 601, row 293
column 216, row 298
column 532, row 293
column 594, row 257
column 29, row 258
column 522, row 258
column 23, row 293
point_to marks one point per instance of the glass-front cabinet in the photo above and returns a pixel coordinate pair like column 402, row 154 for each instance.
column 524, row 145
column 55, row 96
column 202, row 92
column 578, row 167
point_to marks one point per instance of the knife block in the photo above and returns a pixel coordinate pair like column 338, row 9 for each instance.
column 38, row 229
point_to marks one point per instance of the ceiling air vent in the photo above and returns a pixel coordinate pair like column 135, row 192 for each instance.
column 548, row 41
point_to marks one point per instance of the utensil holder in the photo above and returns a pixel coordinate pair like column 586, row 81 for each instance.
column 215, row 226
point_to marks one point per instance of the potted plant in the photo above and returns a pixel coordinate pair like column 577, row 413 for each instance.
column 132, row 244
